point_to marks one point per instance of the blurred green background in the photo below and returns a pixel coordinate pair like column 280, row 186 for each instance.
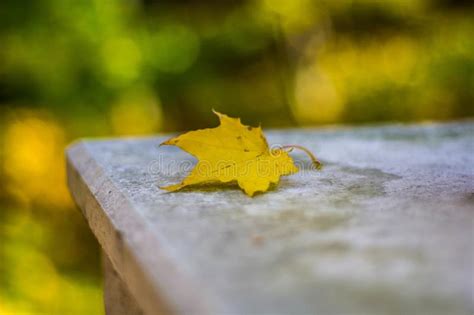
column 71, row 68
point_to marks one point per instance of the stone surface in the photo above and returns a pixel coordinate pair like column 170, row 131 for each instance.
column 385, row 228
column 117, row 297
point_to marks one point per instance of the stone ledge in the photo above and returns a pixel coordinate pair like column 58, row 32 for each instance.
column 385, row 228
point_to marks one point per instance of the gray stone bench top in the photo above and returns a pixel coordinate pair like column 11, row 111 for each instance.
column 385, row 228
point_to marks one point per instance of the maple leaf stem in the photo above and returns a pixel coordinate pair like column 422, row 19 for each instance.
column 313, row 158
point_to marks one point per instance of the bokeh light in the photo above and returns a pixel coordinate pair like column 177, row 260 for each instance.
column 72, row 69
column 33, row 161
column 137, row 112
column 121, row 59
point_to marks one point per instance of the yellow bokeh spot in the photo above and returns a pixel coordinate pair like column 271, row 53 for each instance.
column 136, row 112
column 398, row 58
column 346, row 70
column 370, row 64
column 34, row 285
column 34, row 162
column 47, row 278
column 316, row 98
column 26, row 138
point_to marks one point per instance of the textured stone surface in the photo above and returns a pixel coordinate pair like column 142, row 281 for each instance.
column 117, row 297
column 385, row 228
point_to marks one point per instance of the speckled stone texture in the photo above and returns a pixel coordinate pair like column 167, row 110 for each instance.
column 385, row 228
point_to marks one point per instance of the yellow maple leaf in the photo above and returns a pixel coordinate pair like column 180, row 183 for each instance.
column 234, row 152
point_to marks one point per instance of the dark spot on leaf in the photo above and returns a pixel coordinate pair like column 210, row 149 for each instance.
column 246, row 150
column 239, row 138
column 249, row 128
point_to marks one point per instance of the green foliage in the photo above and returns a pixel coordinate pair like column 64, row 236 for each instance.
column 72, row 69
